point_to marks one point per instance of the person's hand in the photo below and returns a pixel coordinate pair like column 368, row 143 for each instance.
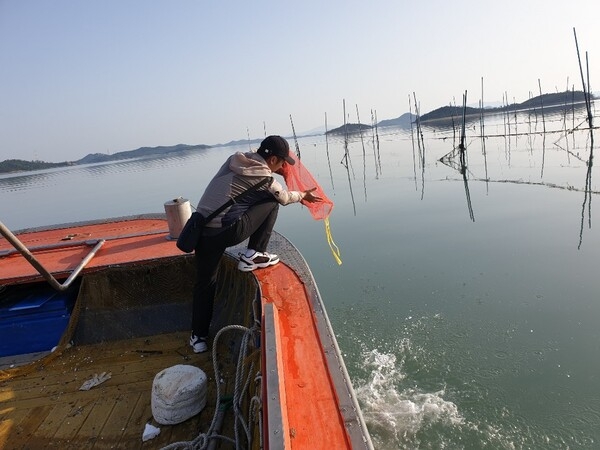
column 310, row 197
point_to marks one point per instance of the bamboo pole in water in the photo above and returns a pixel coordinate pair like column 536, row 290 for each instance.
column 507, row 114
column 565, row 114
column 374, row 152
column 412, row 139
column 346, row 159
column 463, row 159
column 377, row 141
column 504, row 105
column 421, row 144
column 544, row 127
column 481, row 119
column 482, row 129
column 463, row 130
column 589, row 96
column 452, row 107
column 542, row 105
column 420, row 138
column 327, row 151
column 364, row 154
column 295, row 139
column 516, row 121
column 585, row 89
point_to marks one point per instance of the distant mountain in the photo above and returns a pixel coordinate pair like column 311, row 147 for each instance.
column 403, row 121
column 448, row 112
column 445, row 113
column 350, row 128
column 556, row 100
column 251, row 142
column 142, row 152
column 18, row 165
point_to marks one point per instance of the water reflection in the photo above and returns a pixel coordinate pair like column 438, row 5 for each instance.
column 420, row 143
column 518, row 304
column 364, row 154
column 26, row 180
column 587, row 199
column 460, row 153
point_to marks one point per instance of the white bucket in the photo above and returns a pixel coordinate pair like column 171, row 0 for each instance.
column 178, row 393
column 178, row 212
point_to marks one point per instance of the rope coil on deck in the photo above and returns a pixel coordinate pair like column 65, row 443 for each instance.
column 242, row 381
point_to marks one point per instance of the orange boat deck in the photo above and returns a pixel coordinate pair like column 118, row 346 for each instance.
column 61, row 250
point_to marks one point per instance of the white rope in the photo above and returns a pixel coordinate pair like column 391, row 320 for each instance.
column 202, row 441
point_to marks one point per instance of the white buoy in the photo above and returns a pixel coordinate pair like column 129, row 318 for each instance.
column 178, row 212
column 178, row 393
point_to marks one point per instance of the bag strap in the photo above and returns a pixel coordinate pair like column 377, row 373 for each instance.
column 238, row 197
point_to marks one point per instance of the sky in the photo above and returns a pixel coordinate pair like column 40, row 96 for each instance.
column 103, row 76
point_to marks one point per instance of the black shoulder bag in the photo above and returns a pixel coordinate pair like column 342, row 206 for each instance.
column 190, row 234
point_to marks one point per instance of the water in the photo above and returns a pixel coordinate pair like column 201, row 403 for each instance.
column 467, row 312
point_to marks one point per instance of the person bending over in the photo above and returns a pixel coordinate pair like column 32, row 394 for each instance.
column 252, row 217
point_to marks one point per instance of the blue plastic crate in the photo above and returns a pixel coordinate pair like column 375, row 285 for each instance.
column 33, row 318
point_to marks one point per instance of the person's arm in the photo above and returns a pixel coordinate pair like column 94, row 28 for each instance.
column 283, row 196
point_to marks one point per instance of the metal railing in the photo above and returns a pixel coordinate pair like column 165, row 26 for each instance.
column 23, row 250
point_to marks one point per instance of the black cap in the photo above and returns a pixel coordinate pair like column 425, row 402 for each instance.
column 276, row 146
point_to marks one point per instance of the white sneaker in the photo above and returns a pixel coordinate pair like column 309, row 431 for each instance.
column 259, row 260
column 198, row 344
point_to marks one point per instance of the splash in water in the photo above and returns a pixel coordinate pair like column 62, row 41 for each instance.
column 396, row 413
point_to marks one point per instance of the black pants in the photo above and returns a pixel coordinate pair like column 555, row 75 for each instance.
column 256, row 223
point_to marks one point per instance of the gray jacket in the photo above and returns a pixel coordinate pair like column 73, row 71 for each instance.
column 241, row 171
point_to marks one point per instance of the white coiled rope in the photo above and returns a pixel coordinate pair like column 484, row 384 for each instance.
column 242, row 381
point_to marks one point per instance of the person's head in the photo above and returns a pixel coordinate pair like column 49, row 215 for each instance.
column 275, row 150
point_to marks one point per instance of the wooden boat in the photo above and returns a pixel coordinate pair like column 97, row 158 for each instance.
column 276, row 378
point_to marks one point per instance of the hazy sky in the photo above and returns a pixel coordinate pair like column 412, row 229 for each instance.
column 79, row 77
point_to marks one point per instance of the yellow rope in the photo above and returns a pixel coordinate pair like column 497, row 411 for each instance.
column 335, row 251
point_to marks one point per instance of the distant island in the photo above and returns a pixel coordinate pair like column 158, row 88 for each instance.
column 403, row 121
column 565, row 99
column 443, row 115
column 18, row 165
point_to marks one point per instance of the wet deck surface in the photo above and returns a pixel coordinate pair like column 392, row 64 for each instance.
column 46, row 409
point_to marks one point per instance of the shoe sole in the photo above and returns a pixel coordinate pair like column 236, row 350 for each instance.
column 201, row 350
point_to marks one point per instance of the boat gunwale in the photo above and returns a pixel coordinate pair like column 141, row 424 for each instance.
column 350, row 411
column 61, row 226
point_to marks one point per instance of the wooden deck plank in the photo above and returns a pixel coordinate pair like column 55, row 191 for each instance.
column 11, row 422
column 73, row 420
column 90, row 429
column 126, row 366
column 54, row 421
column 120, row 415
column 46, row 408
column 140, row 415
column 20, row 436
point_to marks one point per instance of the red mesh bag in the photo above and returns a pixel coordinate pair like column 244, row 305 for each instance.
column 298, row 178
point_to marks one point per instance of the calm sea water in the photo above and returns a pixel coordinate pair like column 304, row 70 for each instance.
column 467, row 308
